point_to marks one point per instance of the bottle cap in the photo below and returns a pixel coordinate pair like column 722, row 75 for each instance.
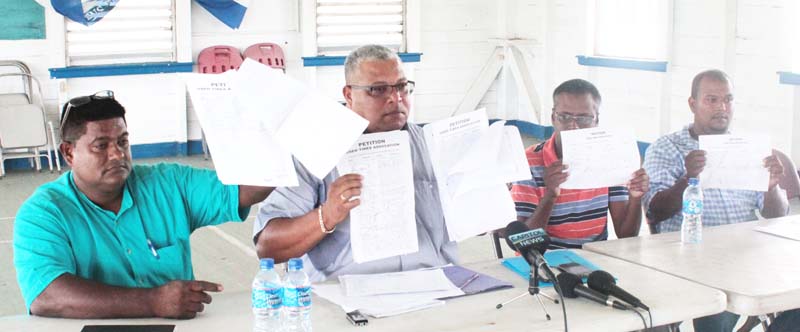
column 267, row 263
column 694, row 181
column 295, row 264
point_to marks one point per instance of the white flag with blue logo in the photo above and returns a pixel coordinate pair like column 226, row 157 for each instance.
column 86, row 12
column 230, row 12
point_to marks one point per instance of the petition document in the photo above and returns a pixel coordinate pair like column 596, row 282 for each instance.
column 473, row 162
column 245, row 151
column 735, row 162
column 384, row 224
column 598, row 157
column 298, row 116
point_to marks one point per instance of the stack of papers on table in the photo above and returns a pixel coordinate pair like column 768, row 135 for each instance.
column 389, row 294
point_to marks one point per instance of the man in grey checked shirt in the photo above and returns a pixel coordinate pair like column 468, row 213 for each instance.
column 312, row 220
column 675, row 158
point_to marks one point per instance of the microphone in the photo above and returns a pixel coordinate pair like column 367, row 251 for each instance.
column 572, row 287
column 604, row 282
column 530, row 243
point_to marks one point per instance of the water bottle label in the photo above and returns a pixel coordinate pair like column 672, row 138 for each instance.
column 267, row 298
column 297, row 297
column 259, row 298
column 692, row 206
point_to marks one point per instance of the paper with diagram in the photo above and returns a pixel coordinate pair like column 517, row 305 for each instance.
column 472, row 163
column 598, row 157
column 384, row 224
column 735, row 162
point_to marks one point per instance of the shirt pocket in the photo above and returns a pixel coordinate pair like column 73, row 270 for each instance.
column 169, row 263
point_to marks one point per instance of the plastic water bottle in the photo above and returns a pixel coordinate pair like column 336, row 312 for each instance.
column 692, row 226
column 296, row 298
column 267, row 293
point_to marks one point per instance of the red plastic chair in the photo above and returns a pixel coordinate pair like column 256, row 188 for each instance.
column 269, row 54
column 218, row 59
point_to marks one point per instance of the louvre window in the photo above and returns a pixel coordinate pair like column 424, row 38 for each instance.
column 343, row 25
column 133, row 32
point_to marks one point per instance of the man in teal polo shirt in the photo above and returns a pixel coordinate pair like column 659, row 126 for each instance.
column 109, row 239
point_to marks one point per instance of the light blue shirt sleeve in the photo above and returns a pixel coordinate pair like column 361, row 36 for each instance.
column 290, row 202
column 664, row 165
column 42, row 251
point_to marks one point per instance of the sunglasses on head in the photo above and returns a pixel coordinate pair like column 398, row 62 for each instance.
column 83, row 100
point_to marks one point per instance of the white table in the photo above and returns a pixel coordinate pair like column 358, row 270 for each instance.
column 677, row 300
column 758, row 272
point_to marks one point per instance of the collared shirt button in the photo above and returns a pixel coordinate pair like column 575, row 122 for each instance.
column 129, row 251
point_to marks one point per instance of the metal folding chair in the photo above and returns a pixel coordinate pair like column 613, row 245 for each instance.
column 23, row 128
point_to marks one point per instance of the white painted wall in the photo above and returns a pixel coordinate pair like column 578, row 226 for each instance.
column 746, row 38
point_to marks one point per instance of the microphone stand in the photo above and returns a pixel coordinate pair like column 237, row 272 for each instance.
column 533, row 288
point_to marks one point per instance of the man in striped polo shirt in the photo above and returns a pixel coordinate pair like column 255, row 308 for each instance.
column 573, row 217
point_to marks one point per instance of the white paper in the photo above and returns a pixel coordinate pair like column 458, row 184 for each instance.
column 497, row 157
column 299, row 117
column 244, row 150
column 383, row 305
column 267, row 92
column 473, row 163
column 384, row 224
column 416, row 281
column 735, row 162
column 598, row 157
column 319, row 131
column 789, row 229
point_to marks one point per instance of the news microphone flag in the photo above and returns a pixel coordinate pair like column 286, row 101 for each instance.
column 528, row 238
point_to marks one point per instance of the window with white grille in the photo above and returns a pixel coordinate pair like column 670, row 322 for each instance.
column 343, row 25
column 133, row 32
column 631, row 28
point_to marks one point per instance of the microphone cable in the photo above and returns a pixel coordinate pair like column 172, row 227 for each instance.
column 642, row 317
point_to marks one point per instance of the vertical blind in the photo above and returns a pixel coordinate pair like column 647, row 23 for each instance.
column 343, row 25
column 133, row 32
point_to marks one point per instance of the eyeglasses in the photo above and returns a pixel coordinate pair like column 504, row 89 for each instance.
column 83, row 100
column 386, row 90
column 580, row 120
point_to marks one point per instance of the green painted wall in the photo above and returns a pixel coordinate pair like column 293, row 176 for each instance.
column 21, row 19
